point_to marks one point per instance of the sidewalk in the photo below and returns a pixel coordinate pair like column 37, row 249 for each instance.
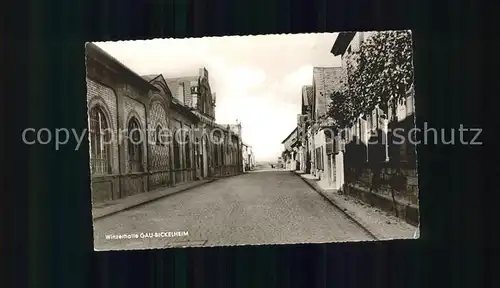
column 108, row 208
column 379, row 223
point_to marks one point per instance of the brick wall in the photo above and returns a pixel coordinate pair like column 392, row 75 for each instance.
column 403, row 181
column 105, row 97
column 188, row 101
column 121, row 99
column 105, row 187
column 326, row 80
column 159, row 153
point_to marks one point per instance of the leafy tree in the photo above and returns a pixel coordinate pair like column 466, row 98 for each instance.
column 379, row 72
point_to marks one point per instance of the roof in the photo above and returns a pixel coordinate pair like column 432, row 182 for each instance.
column 173, row 83
column 342, row 42
column 158, row 80
column 100, row 55
column 184, row 110
column 150, row 78
column 289, row 135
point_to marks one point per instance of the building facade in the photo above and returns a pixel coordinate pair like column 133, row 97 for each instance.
column 323, row 146
column 218, row 152
column 145, row 134
column 117, row 99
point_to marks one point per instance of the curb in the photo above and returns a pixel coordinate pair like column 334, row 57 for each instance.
column 349, row 216
column 139, row 203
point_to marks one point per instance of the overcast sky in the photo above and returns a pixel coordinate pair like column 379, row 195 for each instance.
column 257, row 79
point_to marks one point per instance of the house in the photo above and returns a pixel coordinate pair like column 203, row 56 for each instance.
column 290, row 153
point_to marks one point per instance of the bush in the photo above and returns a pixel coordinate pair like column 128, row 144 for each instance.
column 380, row 71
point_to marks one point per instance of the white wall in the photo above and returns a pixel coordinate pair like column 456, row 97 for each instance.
column 339, row 170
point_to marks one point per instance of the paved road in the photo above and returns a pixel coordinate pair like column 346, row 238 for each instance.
column 267, row 207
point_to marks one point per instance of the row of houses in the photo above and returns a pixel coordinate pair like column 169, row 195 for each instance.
column 353, row 160
column 148, row 132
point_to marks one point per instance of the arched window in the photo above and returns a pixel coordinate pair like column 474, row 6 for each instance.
column 100, row 146
column 235, row 155
column 221, row 147
column 187, row 149
column 177, row 152
column 215, row 148
column 134, row 146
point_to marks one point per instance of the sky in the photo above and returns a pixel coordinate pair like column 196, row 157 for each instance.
column 257, row 79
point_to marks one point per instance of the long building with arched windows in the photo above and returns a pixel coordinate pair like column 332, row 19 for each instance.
column 148, row 132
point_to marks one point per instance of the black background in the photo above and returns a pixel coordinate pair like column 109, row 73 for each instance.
column 49, row 236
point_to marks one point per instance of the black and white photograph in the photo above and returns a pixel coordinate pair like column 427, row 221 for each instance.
column 252, row 140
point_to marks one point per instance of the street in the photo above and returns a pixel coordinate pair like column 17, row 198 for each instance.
column 261, row 207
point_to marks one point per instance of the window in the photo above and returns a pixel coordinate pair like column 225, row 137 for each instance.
column 158, row 136
column 134, row 146
column 194, row 89
column 100, row 147
column 235, row 154
column 187, row 149
column 223, row 157
column 216, row 155
column 177, row 153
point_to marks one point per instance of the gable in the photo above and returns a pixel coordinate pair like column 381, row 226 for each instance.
column 160, row 82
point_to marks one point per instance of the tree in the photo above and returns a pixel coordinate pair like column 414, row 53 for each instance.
column 379, row 72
